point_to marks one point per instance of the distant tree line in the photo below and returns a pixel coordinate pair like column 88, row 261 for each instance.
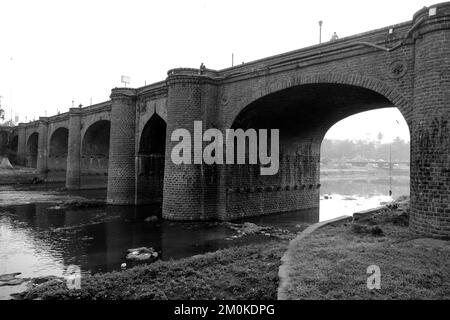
column 363, row 150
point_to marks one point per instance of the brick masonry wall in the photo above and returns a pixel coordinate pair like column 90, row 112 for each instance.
column 294, row 187
column 430, row 131
column 42, row 146
column 121, row 170
column 74, row 150
column 190, row 190
column 21, row 145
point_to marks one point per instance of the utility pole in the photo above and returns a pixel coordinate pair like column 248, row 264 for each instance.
column 1, row 110
column 320, row 31
column 390, row 163
column 390, row 169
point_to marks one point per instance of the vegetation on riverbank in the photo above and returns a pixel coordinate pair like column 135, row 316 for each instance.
column 247, row 272
column 332, row 262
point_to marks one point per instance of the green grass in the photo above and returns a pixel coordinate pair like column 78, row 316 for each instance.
column 247, row 272
column 332, row 264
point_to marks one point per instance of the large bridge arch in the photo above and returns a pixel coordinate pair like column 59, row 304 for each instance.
column 95, row 155
column 32, row 150
column 303, row 113
column 151, row 157
column 261, row 89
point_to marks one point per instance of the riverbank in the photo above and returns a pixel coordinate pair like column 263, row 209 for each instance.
column 333, row 262
column 246, row 272
column 17, row 175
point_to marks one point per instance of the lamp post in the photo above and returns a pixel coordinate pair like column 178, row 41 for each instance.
column 390, row 169
column 390, row 164
column 320, row 31
column 1, row 110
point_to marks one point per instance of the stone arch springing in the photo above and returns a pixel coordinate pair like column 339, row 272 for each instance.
column 151, row 155
column 32, row 150
column 95, row 155
column 303, row 110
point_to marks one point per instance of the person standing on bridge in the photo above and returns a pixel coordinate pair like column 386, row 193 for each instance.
column 334, row 37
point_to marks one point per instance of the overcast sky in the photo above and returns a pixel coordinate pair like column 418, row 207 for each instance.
column 56, row 52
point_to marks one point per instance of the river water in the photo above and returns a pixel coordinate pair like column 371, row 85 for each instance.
column 37, row 240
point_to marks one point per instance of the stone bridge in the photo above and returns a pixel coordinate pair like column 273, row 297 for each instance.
column 125, row 144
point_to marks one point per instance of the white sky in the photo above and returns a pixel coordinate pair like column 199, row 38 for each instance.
column 53, row 52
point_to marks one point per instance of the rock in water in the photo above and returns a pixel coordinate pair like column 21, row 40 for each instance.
column 142, row 254
column 10, row 279
column 8, row 276
column 151, row 219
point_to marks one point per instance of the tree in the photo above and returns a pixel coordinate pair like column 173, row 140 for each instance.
column 380, row 136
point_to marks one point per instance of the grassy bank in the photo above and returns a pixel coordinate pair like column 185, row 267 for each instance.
column 332, row 262
column 248, row 272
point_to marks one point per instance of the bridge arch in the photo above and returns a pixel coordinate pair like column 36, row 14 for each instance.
column 304, row 110
column 4, row 142
column 32, row 150
column 59, row 142
column 57, row 156
column 13, row 147
column 95, row 155
column 264, row 89
column 151, row 157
